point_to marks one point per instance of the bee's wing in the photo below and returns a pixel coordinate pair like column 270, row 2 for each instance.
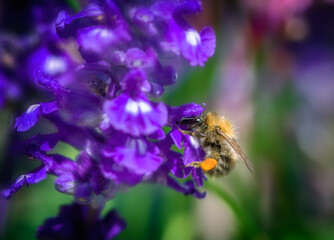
column 237, row 149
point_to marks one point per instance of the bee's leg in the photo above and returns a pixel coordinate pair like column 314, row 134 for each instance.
column 205, row 165
column 194, row 164
column 192, row 133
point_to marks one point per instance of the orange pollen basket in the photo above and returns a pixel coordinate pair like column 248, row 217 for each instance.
column 208, row 164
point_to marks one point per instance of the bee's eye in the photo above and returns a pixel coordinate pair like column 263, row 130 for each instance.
column 190, row 121
column 185, row 121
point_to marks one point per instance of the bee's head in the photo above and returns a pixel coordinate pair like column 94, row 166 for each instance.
column 190, row 122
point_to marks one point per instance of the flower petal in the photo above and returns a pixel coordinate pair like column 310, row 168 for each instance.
column 30, row 117
column 33, row 177
column 135, row 117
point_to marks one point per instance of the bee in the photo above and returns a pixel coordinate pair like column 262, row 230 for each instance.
column 217, row 137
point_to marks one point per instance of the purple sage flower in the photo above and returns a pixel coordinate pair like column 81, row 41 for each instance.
column 105, row 107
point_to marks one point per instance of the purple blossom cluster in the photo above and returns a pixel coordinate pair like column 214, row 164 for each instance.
column 28, row 42
column 105, row 106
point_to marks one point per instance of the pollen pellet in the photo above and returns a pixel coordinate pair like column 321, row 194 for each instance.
column 208, row 164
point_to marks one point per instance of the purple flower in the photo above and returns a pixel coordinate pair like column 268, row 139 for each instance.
column 188, row 188
column 132, row 157
column 132, row 112
column 81, row 222
column 103, row 107
column 50, row 61
column 67, row 26
column 98, row 103
column 195, row 47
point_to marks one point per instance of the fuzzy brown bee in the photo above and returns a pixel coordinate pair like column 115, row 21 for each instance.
column 217, row 137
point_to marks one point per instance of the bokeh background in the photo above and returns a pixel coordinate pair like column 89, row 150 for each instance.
column 272, row 76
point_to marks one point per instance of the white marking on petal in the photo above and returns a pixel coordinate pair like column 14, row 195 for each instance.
column 20, row 178
column 105, row 33
column 144, row 107
column 142, row 147
column 137, row 63
column 144, row 18
column 54, row 65
column 33, row 108
column 132, row 107
column 194, row 142
column 193, row 37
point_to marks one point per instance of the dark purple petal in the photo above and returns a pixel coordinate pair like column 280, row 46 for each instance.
column 161, row 176
column 65, row 183
column 188, row 7
column 81, row 108
column 61, row 166
column 177, row 138
column 47, row 108
column 137, row 58
column 138, row 156
column 50, row 62
column 163, row 75
column 118, row 173
column 148, row 61
column 48, row 82
column 47, row 160
column 180, row 36
column 163, row 9
column 156, row 90
column 198, row 176
column 30, row 117
column 111, row 225
column 188, row 188
column 165, row 145
column 97, row 182
column 193, row 151
column 85, row 165
column 143, row 18
column 31, row 178
column 74, row 135
column 168, row 9
column 158, row 135
column 134, row 83
column 175, row 164
column 38, row 142
column 36, row 176
column 67, row 26
column 70, row 223
column 83, row 193
column 81, row 222
column 195, row 47
column 94, row 77
column 48, row 141
column 100, row 42
column 208, row 39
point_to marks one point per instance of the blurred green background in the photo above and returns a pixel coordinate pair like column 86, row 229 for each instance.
column 273, row 77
